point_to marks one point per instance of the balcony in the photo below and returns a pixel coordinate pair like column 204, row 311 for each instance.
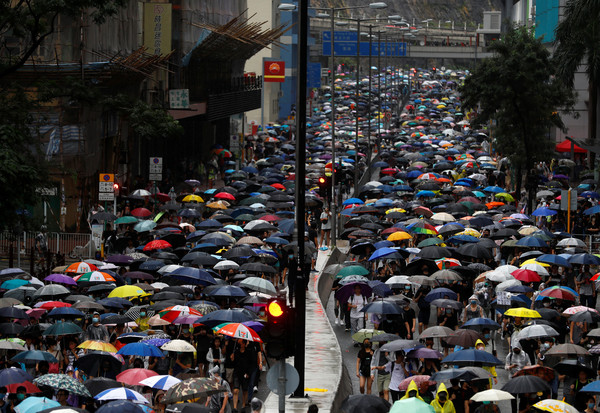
column 237, row 95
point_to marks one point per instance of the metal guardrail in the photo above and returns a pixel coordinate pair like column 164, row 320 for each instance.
column 76, row 245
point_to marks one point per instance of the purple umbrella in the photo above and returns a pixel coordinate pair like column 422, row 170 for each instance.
column 138, row 275
column 347, row 291
column 61, row 279
column 560, row 177
column 119, row 259
column 325, row 156
column 186, row 319
column 424, row 353
column 254, row 325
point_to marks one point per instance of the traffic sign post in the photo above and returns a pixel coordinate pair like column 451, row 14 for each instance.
column 345, row 44
column 106, row 190
column 155, row 172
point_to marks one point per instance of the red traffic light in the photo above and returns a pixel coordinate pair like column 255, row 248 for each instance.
column 274, row 309
column 116, row 186
column 322, row 180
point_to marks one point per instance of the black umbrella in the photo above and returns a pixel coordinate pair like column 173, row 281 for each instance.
column 138, row 275
column 434, row 252
column 573, row 367
column 10, row 329
column 99, row 384
column 463, row 337
column 585, row 317
column 116, row 319
column 526, row 384
column 359, row 403
column 474, row 251
column 167, row 295
column 92, row 363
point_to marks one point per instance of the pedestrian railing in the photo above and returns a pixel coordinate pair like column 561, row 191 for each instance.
column 75, row 245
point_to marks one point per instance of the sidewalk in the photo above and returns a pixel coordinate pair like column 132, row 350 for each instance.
column 323, row 368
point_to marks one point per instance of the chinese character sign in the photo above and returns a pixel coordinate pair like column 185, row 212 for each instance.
column 157, row 28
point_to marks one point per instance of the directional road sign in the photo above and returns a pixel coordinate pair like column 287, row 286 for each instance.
column 314, row 75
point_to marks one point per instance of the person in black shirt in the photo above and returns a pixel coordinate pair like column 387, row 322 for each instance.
column 202, row 345
column 409, row 321
column 363, row 367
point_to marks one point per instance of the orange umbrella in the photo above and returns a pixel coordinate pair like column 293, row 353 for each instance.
column 399, row 236
column 97, row 345
column 494, row 204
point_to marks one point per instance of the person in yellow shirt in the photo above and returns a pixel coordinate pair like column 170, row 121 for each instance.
column 142, row 320
column 442, row 404
column 480, row 345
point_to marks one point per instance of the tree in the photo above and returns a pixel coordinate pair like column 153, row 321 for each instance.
column 578, row 42
column 30, row 22
column 517, row 89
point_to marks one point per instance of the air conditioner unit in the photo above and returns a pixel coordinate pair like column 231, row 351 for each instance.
column 492, row 22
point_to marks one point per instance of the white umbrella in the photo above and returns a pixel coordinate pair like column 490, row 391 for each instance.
column 259, row 284
column 167, row 269
column 537, row 331
column 537, row 268
column 398, row 279
column 552, row 405
column 443, row 217
column 178, row 345
column 226, row 265
column 121, row 393
column 506, row 269
column 504, row 285
column 492, row 395
column 499, row 277
column 254, row 223
column 571, row 242
column 162, row 382
column 141, row 192
column 159, row 285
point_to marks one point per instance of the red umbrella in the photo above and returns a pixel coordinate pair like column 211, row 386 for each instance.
column 29, row 386
column 49, row 305
column 225, row 195
column 389, row 171
column 158, row 244
column 527, row 276
column 403, row 386
column 278, row 186
column 162, row 197
column 270, row 218
column 141, row 213
column 134, row 376
column 557, row 292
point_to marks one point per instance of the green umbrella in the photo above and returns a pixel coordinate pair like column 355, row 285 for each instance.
column 363, row 333
column 192, row 389
column 411, row 404
column 128, row 219
column 61, row 329
column 352, row 270
column 429, row 242
column 63, row 382
column 145, row 226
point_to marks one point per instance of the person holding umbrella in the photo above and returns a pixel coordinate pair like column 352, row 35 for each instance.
column 356, row 303
column 97, row 331
column 398, row 373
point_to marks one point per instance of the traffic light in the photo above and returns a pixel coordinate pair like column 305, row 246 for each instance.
column 116, row 188
column 279, row 331
column 323, row 186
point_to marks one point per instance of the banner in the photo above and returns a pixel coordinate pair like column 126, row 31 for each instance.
column 157, row 28
column 274, row 71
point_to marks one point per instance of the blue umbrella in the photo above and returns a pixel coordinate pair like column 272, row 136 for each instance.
column 35, row 405
column 35, row 355
column 385, row 253
column 593, row 387
column 554, row 260
column 544, row 212
column 65, row 311
column 383, row 244
column 13, row 375
column 151, row 265
column 440, row 292
column 13, row 312
column 471, row 357
column 532, row 242
column 193, row 276
column 461, row 239
column 428, row 194
column 350, row 201
column 16, row 283
column 493, row 189
column 584, row 259
column 380, row 289
column 519, row 289
column 276, row 240
column 145, row 226
column 140, row 349
column 593, row 210
column 479, row 323
column 590, row 194
column 115, row 302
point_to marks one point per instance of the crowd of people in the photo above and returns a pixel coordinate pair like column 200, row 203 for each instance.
column 456, row 296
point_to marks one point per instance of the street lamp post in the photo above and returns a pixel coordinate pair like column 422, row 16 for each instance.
column 356, row 105
column 370, row 97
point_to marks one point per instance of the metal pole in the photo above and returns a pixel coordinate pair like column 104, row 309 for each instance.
column 370, row 97
column 262, row 99
column 299, row 302
column 379, row 91
column 357, row 96
column 333, row 110
column 281, row 385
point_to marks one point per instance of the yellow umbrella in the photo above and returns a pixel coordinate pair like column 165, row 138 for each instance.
column 506, row 196
column 217, row 205
column 395, row 210
column 97, row 345
column 522, row 312
column 192, row 198
column 533, row 261
column 399, row 236
column 126, row 291
column 470, row 231
column 555, row 406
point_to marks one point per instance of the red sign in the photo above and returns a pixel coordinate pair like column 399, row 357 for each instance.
column 274, row 71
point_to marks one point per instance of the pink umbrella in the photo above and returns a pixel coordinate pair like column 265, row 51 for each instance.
column 403, row 386
column 134, row 376
column 141, row 213
column 186, row 319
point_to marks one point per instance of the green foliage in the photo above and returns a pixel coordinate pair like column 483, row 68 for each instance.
column 517, row 88
column 23, row 170
column 31, row 21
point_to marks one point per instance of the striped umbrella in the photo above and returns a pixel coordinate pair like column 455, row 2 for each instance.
column 94, row 276
column 162, row 382
column 121, row 393
column 80, row 267
column 239, row 330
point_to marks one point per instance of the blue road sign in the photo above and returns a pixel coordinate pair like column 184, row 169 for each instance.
column 390, row 49
column 340, row 36
column 313, row 77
